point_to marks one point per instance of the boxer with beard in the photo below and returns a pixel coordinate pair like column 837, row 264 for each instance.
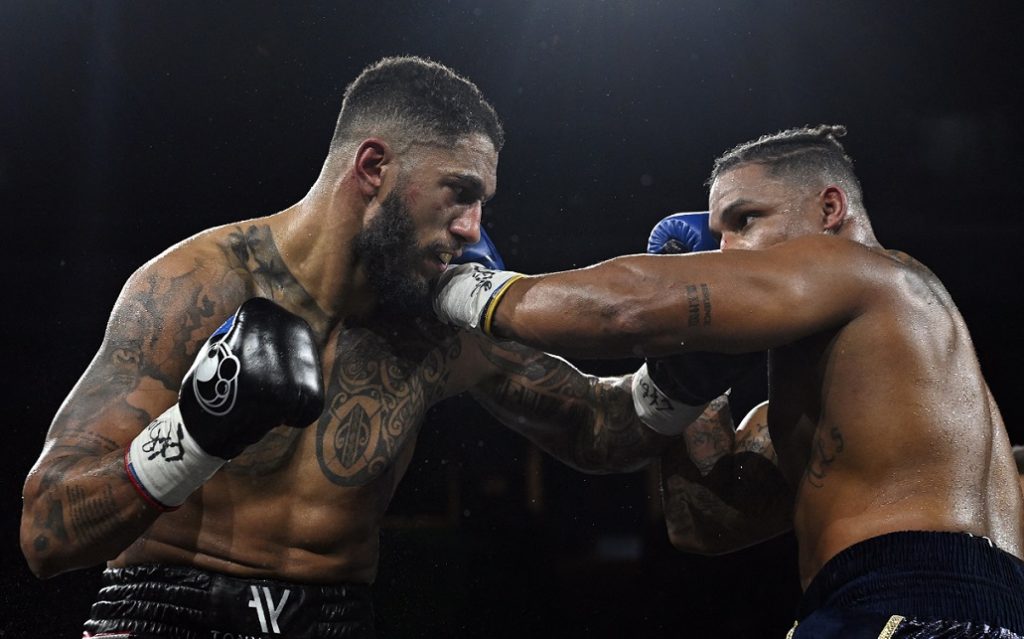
column 231, row 450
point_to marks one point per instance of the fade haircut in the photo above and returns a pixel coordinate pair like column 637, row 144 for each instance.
column 411, row 100
column 806, row 154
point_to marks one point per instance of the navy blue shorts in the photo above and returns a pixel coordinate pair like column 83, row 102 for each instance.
column 916, row 585
column 149, row 601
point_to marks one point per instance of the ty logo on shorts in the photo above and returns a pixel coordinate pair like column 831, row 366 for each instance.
column 271, row 611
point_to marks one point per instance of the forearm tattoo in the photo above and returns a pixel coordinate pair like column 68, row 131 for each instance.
column 583, row 420
column 698, row 304
column 48, row 521
column 93, row 518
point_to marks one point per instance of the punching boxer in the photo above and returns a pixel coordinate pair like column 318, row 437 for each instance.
column 907, row 512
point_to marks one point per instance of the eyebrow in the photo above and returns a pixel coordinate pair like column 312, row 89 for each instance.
column 473, row 181
column 732, row 208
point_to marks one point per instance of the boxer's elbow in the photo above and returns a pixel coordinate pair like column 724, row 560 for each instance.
column 44, row 540
column 41, row 560
column 48, row 556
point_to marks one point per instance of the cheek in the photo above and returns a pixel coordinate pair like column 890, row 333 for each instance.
column 763, row 236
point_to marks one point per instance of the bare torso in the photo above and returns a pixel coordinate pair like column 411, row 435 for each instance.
column 886, row 424
column 306, row 504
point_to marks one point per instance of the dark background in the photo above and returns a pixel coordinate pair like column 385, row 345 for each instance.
column 128, row 126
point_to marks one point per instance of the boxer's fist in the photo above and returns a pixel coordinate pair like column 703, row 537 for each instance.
column 259, row 370
column 682, row 233
column 467, row 294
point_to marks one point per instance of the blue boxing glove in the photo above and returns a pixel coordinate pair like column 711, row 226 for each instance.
column 682, row 233
column 483, row 252
column 671, row 392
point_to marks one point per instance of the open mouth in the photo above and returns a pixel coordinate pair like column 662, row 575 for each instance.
column 445, row 257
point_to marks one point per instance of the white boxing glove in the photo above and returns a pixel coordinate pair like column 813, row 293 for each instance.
column 467, row 295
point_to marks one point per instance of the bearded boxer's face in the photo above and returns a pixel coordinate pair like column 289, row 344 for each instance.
column 751, row 209
column 390, row 255
column 428, row 216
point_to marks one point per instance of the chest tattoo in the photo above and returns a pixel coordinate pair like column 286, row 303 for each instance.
column 377, row 394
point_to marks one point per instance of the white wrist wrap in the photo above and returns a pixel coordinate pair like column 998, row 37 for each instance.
column 166, row 464
column 659, row 411
column 468, row 293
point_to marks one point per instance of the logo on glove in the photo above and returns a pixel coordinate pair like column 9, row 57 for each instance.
column 216, row 380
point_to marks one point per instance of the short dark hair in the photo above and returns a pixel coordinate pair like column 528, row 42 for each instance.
column 805, row 153
column 415, row 100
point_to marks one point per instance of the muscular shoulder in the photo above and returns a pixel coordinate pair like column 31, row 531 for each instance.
column 849, row 268
column 173, row 301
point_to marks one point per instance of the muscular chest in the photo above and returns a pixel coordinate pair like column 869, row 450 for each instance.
column 378, row 386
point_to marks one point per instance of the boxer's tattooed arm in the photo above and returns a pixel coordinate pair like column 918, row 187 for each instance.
column 93, row 516
column 710, row 436
column 722, row 492
column 79, row 506
column 698, row 304
column 584, row 421
column 376, row 397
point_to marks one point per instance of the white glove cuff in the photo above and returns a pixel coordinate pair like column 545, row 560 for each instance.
column 659, row 411
column 467, row 295
column 165, row 464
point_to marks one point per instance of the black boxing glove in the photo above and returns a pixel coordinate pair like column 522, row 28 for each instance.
column 259, row 370
column 670, row 392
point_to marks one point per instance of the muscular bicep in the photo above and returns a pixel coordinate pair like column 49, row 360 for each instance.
column 733, row 301
column 584, row 421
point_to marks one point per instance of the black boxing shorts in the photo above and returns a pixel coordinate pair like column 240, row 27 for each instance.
column 916, row 585
column 149, row 601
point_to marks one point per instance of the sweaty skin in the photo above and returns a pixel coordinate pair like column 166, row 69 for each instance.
column 301, row 505
column 879, row 413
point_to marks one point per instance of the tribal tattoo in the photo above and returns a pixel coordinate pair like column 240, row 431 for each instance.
column 585, row 421
column 377, row 394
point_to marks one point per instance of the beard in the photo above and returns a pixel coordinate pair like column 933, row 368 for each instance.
column 389, row 254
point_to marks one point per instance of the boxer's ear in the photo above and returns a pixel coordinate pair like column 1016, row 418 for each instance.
column 372, row 159
column 833, row 208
